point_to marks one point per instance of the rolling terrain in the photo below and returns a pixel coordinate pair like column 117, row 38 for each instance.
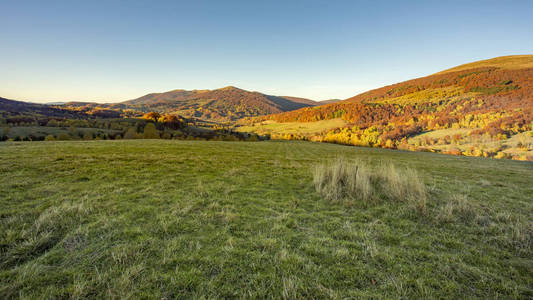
column 483, row 108
column 480, row 105
column 222, row 105
column 192, row 219
column 19, row 109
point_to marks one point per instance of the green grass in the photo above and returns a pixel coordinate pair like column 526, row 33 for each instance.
column 184, row 219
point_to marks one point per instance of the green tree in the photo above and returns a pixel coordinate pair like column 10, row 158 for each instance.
column 150, row 132
column 131, row 134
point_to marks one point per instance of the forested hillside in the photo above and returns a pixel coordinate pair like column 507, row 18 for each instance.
column 222, row 105
column 471, row 110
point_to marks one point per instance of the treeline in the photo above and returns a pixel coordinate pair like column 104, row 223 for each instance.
column 151, row 126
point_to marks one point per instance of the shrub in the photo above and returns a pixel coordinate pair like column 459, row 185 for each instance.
column 88, row 136
column 166, row 135
column 342, row 182
column 64, row 137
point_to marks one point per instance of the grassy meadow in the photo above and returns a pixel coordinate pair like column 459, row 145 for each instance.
column 280, row 129
column 194, row 219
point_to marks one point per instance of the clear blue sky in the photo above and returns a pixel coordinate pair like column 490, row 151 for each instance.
column 110, row 51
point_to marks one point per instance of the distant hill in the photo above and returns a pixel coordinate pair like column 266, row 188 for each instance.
column 225, row 104
column 328, row 101
column 14, row 111
column 470, row 109
column 302, row 100
column 13, row 108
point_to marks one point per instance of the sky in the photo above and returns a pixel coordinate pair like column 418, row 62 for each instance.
column 112, row 51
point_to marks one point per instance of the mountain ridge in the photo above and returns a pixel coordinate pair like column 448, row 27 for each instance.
column 224, row 104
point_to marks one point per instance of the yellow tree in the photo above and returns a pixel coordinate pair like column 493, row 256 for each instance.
column 154, row 116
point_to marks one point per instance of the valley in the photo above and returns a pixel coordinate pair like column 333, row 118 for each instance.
column 486, row 108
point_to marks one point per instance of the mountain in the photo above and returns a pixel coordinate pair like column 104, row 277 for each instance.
column 225, row 104
column 481, row 108
column 302, row 100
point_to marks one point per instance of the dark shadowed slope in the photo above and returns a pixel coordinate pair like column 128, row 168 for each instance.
column 12, row 108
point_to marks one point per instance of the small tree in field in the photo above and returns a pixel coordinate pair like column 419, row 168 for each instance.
column 131, row 134
column 150, row 132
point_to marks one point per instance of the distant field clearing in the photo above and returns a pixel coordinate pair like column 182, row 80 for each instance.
column 272, row 127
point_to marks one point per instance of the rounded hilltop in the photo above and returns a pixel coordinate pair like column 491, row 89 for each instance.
column 502, row 62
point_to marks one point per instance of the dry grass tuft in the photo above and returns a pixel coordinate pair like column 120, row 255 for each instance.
column 341, row 182
column 404, row 185
column 457, row 208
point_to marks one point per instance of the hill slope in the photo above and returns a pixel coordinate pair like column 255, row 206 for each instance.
column 225, row 104
column 12, row 109
column 502, row 62
column 491, row 99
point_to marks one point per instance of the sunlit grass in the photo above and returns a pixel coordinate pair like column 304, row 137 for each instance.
column 505, row 62
column 274, row 128
column 190, row 219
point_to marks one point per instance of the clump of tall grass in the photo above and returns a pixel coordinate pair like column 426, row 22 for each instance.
column 346, row 182
column 457, row 208
column 341, row 182
column 403, row 185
